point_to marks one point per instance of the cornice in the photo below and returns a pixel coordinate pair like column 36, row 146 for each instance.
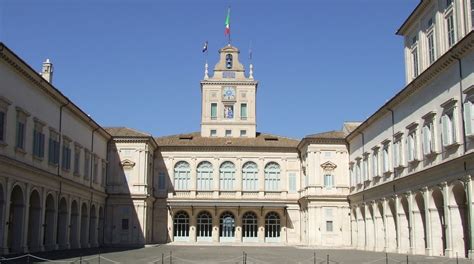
column 463, row 46
column 229, row 82
column 227, row 149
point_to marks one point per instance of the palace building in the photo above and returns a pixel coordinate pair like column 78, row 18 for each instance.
column 398, row 182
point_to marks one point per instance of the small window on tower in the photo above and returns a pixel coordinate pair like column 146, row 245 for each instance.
column 243, row 133
column 228, row 133
column 228, row 61
column 213, row 133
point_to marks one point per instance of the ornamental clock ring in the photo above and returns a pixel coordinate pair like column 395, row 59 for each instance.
column 229, row 93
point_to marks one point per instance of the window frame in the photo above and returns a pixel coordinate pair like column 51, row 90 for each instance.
column 4, row 106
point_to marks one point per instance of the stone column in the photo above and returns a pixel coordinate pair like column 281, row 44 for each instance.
column 426, row 198
column 192, row 226
column 238, row 177
column 470, row 211
column 284, row 179
column 238, row 226
column 398, row 226
column 261, row 226
column 6, row 224
column 261, row 178
column 215, row 226
column 373, row 204
column 26, row 217
column 215, row 177
column 447, row 220
column 42, row 225
column 411, row 225
column 385, row 207
column 193, row 180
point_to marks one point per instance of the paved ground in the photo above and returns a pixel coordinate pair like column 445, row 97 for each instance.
column 180, row 254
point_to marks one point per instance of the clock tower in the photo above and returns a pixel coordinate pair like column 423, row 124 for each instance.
column 228, row 98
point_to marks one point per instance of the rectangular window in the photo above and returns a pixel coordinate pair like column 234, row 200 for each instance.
column 77, row 160
column 448, row 124
column 161, row 181
column 213, row 132
column 431, row 47
column 53, row 148
column 450, row 29
column 398, row 152
column 38, row 140
column 243, row 133
column 243, row 111
column 469, row 117
column 328, row 181
column 125, row 224
column 228, row 133
column 66, row 157
column 365, row 167
column 329, row 227
column 412, row 145
column 20, row 134
column 213, row 111
column 95, row 169
column 386, row 157
column 292, row 183
column 2, row 126
column 352, row 174
column 103, row 173
column 87, row 160
column 375, row 163
column 357, row 172
column 414, row 54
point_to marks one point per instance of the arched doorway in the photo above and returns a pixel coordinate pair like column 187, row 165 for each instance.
column 101, row 226
column 419, row 224
column 204, row 227
column 34, row 221
column 181, row 226
column 93, row 227
column 49, row 223
column 84, row 226
column 438, row 232
column 227, row 227
column 15, row 221
column 391, row 226
column 404, row 225
column 249, row 227
column 62, row 224
column 272, row 227
column 379, row 228
column 459, row 219
column 74, row 227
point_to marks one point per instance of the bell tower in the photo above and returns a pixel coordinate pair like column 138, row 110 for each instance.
column 228, row 98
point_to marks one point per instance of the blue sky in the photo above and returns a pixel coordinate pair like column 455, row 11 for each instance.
column 138, row 63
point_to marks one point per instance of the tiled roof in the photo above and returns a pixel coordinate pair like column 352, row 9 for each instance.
column 328, row 135
column 125, row 132
column 196, row 140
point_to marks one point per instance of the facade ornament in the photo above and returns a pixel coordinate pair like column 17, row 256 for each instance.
column 328, row 166
column 206, row 71
column 127, row 164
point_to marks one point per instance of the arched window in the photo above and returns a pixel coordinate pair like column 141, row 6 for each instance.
column 249, row 227
column 204, row 226
column 272, row 227
column 182, row 172
column 227, row 176
column 328, row 181
column 228, row 61
column 181, row 226
column 272, row 177
column 204, row 176
column 250, row 177
column 227, row 227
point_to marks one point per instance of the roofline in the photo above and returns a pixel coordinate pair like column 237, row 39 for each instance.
column 9, row 56
column 329, row 141
column 407, row 21
column 439, row 65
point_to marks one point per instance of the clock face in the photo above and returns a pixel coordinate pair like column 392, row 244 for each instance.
column 229, row 93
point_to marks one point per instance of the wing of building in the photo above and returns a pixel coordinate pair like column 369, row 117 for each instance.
column 397, row 182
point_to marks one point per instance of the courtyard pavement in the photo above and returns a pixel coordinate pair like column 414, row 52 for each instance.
column 227, row 254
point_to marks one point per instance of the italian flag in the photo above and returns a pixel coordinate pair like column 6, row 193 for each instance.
column 227, row 23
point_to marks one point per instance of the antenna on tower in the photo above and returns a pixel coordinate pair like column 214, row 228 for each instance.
column 250, row 59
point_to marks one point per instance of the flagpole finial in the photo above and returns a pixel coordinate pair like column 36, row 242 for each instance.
column 206, row 71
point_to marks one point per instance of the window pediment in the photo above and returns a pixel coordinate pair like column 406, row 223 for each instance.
column 127, row 164
column 328, row 166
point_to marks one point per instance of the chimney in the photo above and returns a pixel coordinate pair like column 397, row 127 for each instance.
column 47, row 71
